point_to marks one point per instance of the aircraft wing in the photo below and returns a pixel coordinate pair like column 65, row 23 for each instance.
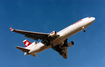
column 32, row 35
column 64, row 53
column 61, row 51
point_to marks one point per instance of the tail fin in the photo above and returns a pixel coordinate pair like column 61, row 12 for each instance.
column 26, row 43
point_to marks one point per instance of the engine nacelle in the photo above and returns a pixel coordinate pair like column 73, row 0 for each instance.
column 70, row 44
column 54, row 33
column 26, row 53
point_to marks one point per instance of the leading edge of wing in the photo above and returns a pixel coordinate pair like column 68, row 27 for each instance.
column 27, row 32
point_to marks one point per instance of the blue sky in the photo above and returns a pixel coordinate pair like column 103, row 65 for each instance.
column 47, row 16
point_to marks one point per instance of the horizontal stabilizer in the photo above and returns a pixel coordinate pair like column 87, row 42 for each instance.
column 33, row 55
column 22, row 49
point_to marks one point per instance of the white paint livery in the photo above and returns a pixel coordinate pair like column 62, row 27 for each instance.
column 55, row 40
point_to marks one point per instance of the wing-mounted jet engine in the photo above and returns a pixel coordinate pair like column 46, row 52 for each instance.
column 62, row 49
column 65, row 44
column 53, row 34
column 70, row 44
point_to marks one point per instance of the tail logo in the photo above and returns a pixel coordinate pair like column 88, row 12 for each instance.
column 26, row 43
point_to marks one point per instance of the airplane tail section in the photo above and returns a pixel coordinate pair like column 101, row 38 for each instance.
column 27, row 48
column 26, row 43
column 23, row 49
column 33, row 55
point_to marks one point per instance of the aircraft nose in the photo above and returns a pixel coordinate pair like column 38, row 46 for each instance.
column 92, row 18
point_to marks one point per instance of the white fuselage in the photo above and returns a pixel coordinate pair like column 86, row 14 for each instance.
column 64, row 34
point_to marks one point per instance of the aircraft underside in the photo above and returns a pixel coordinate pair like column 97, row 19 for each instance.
column 60, row 48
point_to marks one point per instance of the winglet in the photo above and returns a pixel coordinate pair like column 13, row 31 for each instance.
column 11, row 29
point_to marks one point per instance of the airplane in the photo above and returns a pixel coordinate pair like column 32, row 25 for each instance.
column 55, row 40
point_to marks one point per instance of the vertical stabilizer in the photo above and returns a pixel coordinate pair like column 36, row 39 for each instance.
column 26, row 43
